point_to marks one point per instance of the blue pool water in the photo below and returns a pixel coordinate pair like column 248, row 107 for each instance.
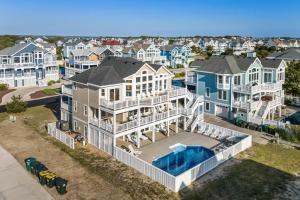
column 183, row 158
column 294, row 118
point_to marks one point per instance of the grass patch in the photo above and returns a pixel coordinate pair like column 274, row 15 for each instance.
column 263, row 173
column 51, row 92
column 3, row 116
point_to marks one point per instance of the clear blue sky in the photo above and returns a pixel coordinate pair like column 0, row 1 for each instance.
column 151, row 17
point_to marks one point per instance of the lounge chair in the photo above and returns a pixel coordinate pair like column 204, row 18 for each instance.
column 130, row 139
column 132, row 150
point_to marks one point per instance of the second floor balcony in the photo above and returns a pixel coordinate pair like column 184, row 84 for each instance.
column 250, row 89
column 164, row 97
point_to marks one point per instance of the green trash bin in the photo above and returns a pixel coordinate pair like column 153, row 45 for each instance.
column 50, row 177
column 28, row 162
column 61, row 185
column 33, row 166
column 38, row 168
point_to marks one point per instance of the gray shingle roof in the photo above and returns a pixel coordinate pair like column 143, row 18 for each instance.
column 270, row 63
column 170, row 47
column 111, row 71
column 289, row 54
column 223, row 64
column 11, row 50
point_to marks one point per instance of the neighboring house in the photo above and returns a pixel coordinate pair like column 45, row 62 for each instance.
column 124, row 97
column 48, row 47
column 177, row 55
column 83, row 59
column 145, row 52
column 233, row 86
column 287, row 55
column 77, row 45
column 26, row 64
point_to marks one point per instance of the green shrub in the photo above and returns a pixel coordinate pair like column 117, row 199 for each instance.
column 3, row 87
column 180, row 75
column 16, row 105
column 51, row 82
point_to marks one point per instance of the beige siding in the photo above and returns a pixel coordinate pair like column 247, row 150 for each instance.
column 94, row 96
column 80, row 95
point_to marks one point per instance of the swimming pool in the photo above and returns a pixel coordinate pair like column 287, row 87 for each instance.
column 182, row 158
column 294, row 118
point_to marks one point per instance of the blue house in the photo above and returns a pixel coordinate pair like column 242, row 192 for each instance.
column 249, row 88
column 176, row 54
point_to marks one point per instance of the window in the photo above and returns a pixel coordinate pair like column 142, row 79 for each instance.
column 227, row 79
column 222, row 95
column 128, row 90
column 220, row 79
column 144, row 78
column 267, row 77
column 253, row 75
column 280, row 75
column 144, row 88
column 128, row 81
column 85, row 131
column 144, row 72
column 150, row 87
column 207, row 92
column 103, row 92
column 237, row 80
column 138, row 79
column 165, row 84
column 207, row 106
column 150, row 78
column 85, row 110
column 75, row 125
column 75, row 106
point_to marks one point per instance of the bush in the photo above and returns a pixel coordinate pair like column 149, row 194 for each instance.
column 17, row 105
column 180, row 75
column 53, row 82
column 3, row 87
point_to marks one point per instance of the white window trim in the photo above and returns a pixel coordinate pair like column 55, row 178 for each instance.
column 85, row 110
column 208, row 92
column 208, row 106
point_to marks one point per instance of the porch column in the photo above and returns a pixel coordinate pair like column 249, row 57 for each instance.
column 153, row 134
column 176, row 126
column 138, row 142
column 114, row 123
column 123, row 137
column 273, row 113
column 168, row 128
column 269, row 115
column 279, row 110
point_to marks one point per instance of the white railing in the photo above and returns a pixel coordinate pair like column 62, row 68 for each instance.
column 191, row 79
column 94, row 121
column 60, row 135
column 271, row 86
column 145, row 168
column 247, row 88
column 65, row 106
column 106, row 126
column 150, row 101
column 67, row 90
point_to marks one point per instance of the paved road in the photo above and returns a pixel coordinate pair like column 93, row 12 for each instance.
column 37, row 102
column 26, row 92
column 16, row 183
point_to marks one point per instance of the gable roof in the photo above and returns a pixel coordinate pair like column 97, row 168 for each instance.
column 270, row 63
column 224, row 64
column 171, row 47
column 111, row 71
column 14, row 49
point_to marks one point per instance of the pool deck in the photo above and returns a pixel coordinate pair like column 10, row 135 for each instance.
column 160, row 148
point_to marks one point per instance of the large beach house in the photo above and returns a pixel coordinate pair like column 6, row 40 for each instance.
column 27, row 64
column 249, row 88
column 125, row 97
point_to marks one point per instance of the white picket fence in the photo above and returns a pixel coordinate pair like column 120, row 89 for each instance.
column 176, row 183
column 60, row 135
column 145, row 168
